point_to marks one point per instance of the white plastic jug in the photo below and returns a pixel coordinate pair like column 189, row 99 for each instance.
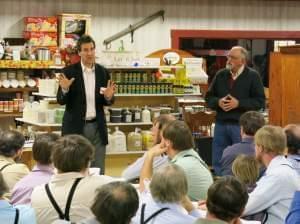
column 146, row 115
column 118, row 141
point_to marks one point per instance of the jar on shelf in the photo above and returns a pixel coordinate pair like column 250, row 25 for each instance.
column 134, row 141
column 146, row 115
column 118, row 141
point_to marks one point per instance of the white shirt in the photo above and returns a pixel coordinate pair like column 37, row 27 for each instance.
column 89, row 86
column 274, row 191
column 133, row 171
column 60, row 185
column 12, row 173
column 175, row 214
column 234, row 76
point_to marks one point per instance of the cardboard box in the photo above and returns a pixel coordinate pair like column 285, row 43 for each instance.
column 41, row 24
column 44, row 39
column 72, row 27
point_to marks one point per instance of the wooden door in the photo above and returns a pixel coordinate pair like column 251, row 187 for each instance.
column 291, row 89
column 275, row 89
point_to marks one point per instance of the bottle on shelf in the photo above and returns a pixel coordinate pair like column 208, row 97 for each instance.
column 134, row 141
column 118, row 141
column 57, row 58
column 137, row 114
column 146, row 115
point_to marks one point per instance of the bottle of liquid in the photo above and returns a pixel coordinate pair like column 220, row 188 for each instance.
column 134, row 141
column 146, row 115
column 118, row 141
column 57, row 58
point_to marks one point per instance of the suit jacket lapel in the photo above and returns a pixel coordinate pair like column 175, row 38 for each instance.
column 81, row 82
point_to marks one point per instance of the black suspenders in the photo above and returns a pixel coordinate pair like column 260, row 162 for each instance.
column 17, row 216
column 6, row 165
column 66, row 215
column 151, row 216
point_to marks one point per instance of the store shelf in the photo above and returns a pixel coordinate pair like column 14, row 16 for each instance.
column 44, row 95
column 13, row 90
column 132, row 68
column 129, row 124
column 163, row 94
column 125, row 153
column 26, row 64
column 37, row 124
column 59, row 125
column 4, row 115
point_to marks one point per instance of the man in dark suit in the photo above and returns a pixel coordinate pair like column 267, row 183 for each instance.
column 85, row 87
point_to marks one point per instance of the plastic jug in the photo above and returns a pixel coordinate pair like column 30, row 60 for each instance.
column 134, row 141
column 118, row 141
column 146, row 115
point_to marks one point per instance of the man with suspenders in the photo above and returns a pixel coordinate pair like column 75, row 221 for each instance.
column 166, row 201
column 70, row 193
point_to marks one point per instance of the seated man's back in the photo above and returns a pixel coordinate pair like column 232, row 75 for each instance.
column 60, row 186
column 198, row 176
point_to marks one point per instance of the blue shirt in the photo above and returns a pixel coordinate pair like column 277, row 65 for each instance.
column 175, row 214
column 246, row 146
column 274, row 191
column 8, row 213
column 133, row 171
column 295, row 161
column 294, row 214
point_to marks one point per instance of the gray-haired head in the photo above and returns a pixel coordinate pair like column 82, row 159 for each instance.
column 169, row 184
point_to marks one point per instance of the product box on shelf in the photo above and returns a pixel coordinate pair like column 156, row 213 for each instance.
column 71, row 27
column 41, row 38
column 41, row 24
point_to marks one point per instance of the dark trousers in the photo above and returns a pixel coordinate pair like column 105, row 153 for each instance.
column 91, row 132
column 225, row 134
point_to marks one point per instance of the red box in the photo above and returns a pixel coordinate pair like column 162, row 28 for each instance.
column 45, row 39
column 41, row 24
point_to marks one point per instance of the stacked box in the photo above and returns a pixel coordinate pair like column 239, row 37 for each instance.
column 41, row 31
column 72, row 27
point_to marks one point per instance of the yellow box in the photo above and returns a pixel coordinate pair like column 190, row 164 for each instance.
column 72, row 27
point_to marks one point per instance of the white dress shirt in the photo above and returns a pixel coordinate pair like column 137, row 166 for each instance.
column 133, row 171
column 89, row 86
column 274, row 191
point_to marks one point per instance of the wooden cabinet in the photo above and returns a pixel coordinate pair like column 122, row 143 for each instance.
column 284, row 103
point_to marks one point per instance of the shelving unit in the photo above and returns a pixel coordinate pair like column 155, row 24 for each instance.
column 43, row 95
column 14, row 90
column 6, row 115
column 157, row 95
column 27, row 64
column 59, row 125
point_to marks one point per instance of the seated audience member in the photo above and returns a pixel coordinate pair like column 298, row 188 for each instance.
column 11, row 144
column 167, row 201
column 72, row 189
column 246, row 169
column 134, row 170
column 292, row 132
column 177, row 143
column 275, row 189
column 250, row 122
column 41, row 172
column 226, row 201
column 116, row 202
column 9, row 214
column 294, row 215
